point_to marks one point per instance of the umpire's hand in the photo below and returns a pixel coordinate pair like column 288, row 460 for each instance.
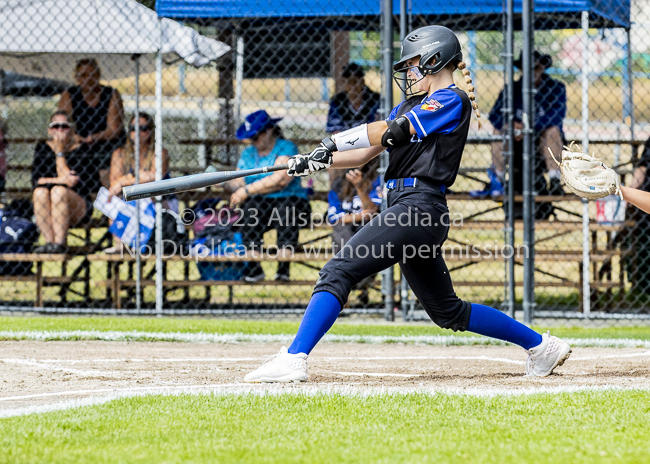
column 317, row 160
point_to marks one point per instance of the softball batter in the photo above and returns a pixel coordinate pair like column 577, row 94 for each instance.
column 425, row 135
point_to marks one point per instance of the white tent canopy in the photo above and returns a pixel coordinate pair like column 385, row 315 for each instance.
column 45, row 38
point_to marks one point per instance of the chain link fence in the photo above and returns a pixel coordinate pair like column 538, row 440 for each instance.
column 286, row 76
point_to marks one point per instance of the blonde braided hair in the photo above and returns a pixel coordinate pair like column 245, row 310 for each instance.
column 470, row 90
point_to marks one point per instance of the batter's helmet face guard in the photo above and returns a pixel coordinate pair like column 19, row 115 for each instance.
column 437, row 46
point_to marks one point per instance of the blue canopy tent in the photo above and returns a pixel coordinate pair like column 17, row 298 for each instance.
column 302, row 20
column 485, row 14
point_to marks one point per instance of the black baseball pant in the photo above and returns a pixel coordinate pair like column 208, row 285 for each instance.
column 409, row 233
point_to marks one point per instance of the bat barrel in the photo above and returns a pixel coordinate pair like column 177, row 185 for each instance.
column 193, row 182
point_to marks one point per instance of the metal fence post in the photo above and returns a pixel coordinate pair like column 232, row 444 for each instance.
column 528, row 26
column 136, row 119
column 630, row 93
column 586, row 286
column 158, row 148
column 388, row 282
column 508, row 112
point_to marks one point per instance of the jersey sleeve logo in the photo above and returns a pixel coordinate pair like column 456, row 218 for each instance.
column 431, row 105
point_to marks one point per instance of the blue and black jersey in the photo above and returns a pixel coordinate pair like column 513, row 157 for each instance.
column 441, row 121
column 337, row 208
column 343, row 116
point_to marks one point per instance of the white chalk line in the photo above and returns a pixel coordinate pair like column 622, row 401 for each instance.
column 307, row 390
column 38, row 362
column 612, row 356
column 442, row 340
column 376, row 374
column 135, row 360
column 108, row 390
column 46, row 365
column 312, row 357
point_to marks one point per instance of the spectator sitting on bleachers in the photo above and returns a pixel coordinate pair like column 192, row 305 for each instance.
column 639, row 268
column 63, row 177
column 356, row 104
column 354, row 201
column 122, row 172
column 550, row 109
column 97, row 112
column 3, row 155
column 271, row 200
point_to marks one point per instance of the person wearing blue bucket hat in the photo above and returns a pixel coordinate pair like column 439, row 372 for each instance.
column 268, row 201
column 255, row 123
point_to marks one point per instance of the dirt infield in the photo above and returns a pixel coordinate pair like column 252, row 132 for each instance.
column 41, row 373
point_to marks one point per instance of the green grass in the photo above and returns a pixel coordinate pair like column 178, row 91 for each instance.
column 588, row 427
column 196, row 325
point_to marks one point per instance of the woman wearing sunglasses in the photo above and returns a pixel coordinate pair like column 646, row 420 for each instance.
column 63, row 176
column 123, row 164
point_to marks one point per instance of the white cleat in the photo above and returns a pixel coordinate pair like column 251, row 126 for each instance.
column 546, row 356
column 282, row 367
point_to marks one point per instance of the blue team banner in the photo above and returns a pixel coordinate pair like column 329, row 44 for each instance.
column 123, row 214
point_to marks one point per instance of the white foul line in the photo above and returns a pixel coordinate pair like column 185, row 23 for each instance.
column 47, row 365
column 377, row 374
column 38, row 362
column 275, row 389
column 128, row 360
column 109, row 390
column 611, row 356
column 442, row 340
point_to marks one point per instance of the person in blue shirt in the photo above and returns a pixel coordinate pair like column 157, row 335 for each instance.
column 351, row 204
column 550, row 110
column 356, row 200
column 426, row 136
column 272, row 200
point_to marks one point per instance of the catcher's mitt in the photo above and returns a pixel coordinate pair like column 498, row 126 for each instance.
column 587, row 176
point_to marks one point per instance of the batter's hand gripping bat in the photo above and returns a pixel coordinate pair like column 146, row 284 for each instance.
column 193, row 182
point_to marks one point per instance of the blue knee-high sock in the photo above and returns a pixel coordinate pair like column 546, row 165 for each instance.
column 322, row 311
column 490, row 322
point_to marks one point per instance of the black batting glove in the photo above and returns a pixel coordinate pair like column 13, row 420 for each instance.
column 317, row 160
column 298, row 166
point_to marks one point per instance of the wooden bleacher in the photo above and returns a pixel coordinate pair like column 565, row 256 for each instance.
column 114, row 285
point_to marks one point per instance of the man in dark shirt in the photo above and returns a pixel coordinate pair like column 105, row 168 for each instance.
column 550, row 110
column 355, row 105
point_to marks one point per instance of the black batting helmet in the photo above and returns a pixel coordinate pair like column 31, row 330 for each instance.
column 430, row 42
column 437, row 46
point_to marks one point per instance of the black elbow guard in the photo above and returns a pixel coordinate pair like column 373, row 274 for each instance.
column 398, row 132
